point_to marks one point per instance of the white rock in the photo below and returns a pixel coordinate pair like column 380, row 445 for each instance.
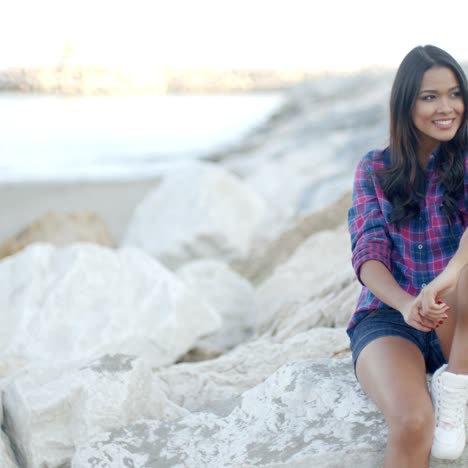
column 60, row 228
column 7, row 458
column 51, row 408
column 266, row 255
column 201, row 211
column 232, row 296
column 305, row 413
column 345, row 303
column 284, row 183
column 308, row 281
column 309, row 414
column 70, row 303
column 332, row 309
column 214, row 385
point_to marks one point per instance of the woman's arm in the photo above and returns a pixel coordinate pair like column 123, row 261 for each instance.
column 371, row 246
column 378, row 279
column 431, row 296
column 367, row 225
column 458, row 261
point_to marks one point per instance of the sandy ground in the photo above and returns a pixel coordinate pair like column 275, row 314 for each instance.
column 114, row 201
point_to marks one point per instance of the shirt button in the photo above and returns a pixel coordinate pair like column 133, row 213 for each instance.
column 420, row 246
column 423, row 285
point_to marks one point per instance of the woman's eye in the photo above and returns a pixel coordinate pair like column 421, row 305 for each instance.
column 428, row 97
column 456, row 94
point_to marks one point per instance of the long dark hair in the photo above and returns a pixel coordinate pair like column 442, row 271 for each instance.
column 403, row 182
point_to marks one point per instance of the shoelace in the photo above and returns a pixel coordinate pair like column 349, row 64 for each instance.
column 451, row 405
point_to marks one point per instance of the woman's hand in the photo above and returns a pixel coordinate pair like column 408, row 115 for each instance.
column 431, row 304
column 429, row 299
column 412, row 313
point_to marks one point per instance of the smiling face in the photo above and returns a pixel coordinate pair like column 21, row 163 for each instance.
column 439, row 110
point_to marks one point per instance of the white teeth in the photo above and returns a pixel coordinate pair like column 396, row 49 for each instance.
column 443, row 122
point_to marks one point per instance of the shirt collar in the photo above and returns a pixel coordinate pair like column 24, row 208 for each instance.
column 436, row 152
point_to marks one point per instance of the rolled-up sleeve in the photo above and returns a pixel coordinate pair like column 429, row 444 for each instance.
column 367, row 226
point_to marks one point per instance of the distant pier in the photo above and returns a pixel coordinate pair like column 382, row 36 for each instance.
column 89, row 80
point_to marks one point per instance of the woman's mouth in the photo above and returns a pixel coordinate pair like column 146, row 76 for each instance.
column 445, row 124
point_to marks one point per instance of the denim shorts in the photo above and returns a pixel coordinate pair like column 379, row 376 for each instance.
column 390, row 322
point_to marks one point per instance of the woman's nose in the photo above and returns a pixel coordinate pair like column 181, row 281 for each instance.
column 444, row 105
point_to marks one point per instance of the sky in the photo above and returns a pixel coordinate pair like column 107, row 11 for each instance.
column 139, row 34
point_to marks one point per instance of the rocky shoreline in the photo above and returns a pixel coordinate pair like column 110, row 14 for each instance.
column 196, row 319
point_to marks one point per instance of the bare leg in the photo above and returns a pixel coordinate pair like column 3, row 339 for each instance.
column 450, row 384
column 392, row 372
column 454, row 334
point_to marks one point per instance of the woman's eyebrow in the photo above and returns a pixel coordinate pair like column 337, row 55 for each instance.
column 436, row 91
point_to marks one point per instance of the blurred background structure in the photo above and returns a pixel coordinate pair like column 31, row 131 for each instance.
column 183, row 46
column 112, row 88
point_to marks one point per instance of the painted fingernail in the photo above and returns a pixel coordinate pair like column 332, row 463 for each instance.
column 437, row 326
column 440, row 322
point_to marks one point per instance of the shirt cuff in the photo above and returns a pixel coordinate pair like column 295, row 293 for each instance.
column 369, row 253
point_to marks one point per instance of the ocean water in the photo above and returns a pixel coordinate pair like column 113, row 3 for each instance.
column 100, row 137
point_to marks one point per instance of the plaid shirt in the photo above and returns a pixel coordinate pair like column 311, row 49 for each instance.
column 414, row 253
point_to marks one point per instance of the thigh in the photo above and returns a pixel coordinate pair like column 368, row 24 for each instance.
column 446, row 331
column 457, row 299
column 392, row 372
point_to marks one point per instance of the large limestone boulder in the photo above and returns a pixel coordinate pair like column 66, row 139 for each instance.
column 80, row 301
column 308, row 413
column 200, row 211
column 231, row 295
column 210, row 385
column 60, row 229
column 52, row 408
column 311, row 288
column 7, row 458
column 267, row 254
column 291, row 184
column 332, row 309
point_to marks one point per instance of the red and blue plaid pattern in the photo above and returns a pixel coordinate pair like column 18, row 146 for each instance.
column 415, row 252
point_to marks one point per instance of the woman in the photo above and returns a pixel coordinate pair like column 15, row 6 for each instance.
column 406, row 222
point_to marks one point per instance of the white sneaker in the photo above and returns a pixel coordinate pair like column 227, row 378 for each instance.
column 449, row 397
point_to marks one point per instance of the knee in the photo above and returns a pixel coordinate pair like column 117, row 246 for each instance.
column 412, row 428
column 462, row 284
column 461, row 294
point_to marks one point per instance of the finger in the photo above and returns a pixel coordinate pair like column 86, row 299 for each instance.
column 434, row 307
column 440, row 323
column 419, row 325
column 428, row 322
column 435, row 314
